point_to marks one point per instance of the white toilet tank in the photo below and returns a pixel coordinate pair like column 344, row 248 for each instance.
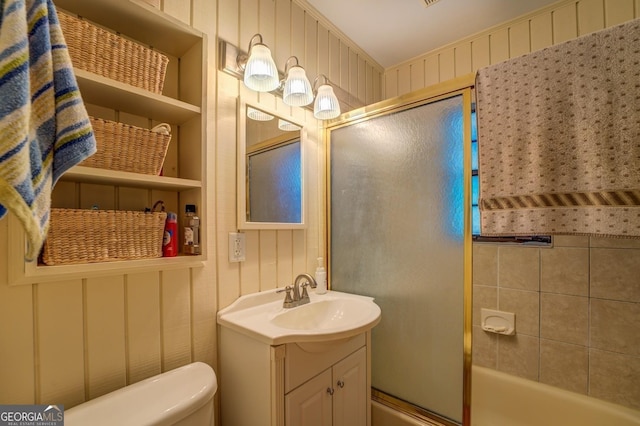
column 183, row 397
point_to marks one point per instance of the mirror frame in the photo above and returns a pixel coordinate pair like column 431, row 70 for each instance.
column 241, row 167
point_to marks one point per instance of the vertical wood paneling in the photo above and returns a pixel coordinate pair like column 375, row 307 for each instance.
column 334, row 58
column 499, row 46
column 250, row 269
column 285, row 257
column 378, row 79
column 344, row 66
column 60, row 343
column 564, row 23
column 203, row 299
column 143, row 326
column 228, row 21
column 268, row 260
column 541, row 31
column 362, row 79
column 590, row 16
column 176, row 318
column 391, row 83
column 447, row 65
column 463, row 59
column 299, row 247
column 298, row 33
column 204, row 16
column 266, row 25
column 249, row 25
column 324, row 63
column 311, row 47
column 417, row 74
column 480, row 53
column 431, row 70
column 370, row 82
column 404, row 79
column 65, row 195
column 133, row 199
column 17, row 377
column 101, row 196
column 282, row 48
column 519, row 41
column 105, row 335
column 618, row 11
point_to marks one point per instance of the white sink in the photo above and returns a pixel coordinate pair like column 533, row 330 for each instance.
column 331, row 316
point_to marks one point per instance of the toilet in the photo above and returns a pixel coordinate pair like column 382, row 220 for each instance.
column 180, row 397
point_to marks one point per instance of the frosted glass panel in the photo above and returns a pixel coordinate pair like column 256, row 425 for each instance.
column 275, row 192
column 397, row 228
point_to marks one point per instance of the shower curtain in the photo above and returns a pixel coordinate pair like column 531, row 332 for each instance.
column 397, row 233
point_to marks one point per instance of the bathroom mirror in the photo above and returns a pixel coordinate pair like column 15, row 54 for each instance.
column 270, row 169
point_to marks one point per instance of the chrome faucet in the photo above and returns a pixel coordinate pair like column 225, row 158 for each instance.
column 294, row 297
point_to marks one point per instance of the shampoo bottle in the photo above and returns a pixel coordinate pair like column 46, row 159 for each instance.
column 321, row 278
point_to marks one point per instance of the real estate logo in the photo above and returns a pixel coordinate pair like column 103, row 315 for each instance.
column 31, row 415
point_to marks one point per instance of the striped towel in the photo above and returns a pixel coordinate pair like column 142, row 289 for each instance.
column 44, row 126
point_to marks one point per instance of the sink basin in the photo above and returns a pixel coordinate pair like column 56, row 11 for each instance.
column 331, row 316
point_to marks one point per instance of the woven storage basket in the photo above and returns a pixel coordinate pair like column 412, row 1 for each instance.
column 85, row 236
column 127, row 148
column 102, row 52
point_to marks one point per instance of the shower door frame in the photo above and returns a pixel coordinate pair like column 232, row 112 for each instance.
column 460, row 86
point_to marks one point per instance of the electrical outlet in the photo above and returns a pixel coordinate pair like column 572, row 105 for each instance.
column 236, row 247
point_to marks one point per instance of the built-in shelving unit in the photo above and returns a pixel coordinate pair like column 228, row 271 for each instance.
column 182, row 107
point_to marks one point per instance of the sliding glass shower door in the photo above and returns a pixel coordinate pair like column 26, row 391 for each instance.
column 397, row 233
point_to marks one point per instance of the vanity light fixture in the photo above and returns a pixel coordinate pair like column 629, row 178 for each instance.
column 256, row 114
column 297, row 89
column 326, row 105
column 287, row 126
column 260, row 71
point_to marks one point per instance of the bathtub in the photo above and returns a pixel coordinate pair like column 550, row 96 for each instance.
column 499, row 399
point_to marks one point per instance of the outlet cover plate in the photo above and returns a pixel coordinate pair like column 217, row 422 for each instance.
column 236, row 247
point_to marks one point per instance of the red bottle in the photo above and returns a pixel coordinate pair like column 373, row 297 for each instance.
column 170, row 240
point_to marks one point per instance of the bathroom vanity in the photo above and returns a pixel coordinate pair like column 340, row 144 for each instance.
column 308, row 365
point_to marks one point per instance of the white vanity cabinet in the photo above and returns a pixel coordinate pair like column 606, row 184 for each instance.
column 295, row 384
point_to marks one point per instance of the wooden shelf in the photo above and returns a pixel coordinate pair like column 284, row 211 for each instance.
column 109, row 93
column 110, row 177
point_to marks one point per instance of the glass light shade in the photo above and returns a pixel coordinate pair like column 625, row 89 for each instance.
column 326, row 105
column 260, row 72
column 286, row 126
column 297, row 89
column 256, row 114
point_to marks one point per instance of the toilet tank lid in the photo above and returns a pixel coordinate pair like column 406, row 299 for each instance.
column 162, row 399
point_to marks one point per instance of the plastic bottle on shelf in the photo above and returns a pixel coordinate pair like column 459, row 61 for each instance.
column 191, row 230
column 321, row 277
column 170, row 240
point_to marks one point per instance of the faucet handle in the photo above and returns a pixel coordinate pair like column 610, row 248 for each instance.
column 288, row 300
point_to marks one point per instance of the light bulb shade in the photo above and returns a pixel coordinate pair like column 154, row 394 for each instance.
column 260, row 72
column 286, row 126
column 297, row 89
column 256, row 114
column 326, row 105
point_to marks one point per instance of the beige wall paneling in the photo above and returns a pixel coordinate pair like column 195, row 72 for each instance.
column 378, row 84
column 519, row 39
column 311, row 46
column 541, row 31
column 144, row 356
column 298, row 33
column 135, row 199
column 370, row 95
column 480, row 52
column 565, row 23
column 404, row 79
column 431, row 70
column 170, row 87
column 17, row 378
column 104, row 335
column 284, row 241
column 324, row 62
column 299, row 255
column 179, row 9
column 499, row 45
column 463, row 59
column 250, row 268
column 391, row 83
column 447, row 64
column 59, row 332
column 101, row 196
column 203, row 317
column 171, row 204
column 266, row 24
column 268, row 260
column 590, row 16
column 176, row 318
column 249, row 25
column 334, row 59
column 618, row 11
column 282, row 48
column 228, row 12
column 637, row 9
column 362, row 79
column 65, row 195
column 344, row 66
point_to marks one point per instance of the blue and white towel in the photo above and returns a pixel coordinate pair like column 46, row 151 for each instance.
column 44, row 126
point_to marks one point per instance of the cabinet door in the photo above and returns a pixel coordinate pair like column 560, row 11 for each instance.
column 350, row 396
column 310, row 404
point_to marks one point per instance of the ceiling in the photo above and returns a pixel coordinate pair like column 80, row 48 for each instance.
column 394, row 31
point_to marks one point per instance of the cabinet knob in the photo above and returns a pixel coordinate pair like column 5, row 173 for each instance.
column 330, row 391
column 340, row 384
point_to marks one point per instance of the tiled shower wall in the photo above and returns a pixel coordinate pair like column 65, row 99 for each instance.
column 577, row 307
